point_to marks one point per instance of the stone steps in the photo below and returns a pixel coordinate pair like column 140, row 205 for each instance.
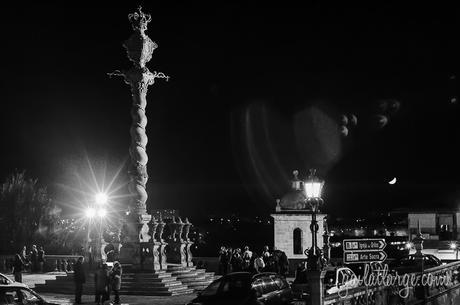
column 175, row 280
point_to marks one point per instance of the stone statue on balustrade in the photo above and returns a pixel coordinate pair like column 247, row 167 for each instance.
column 177, row 246
column 161, row 243
column 188, row 243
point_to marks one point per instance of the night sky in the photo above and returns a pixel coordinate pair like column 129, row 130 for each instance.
column 255, row 92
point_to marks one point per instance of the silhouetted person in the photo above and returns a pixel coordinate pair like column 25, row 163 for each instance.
column 102, row 284
column 34, row 259
column 259, row 264
column 111, row 256
column 79, row 278
column 18, row 267
column 41, row 259
column 301, row 274
column 284, row 264
column 247, row 258
column 223, row 260
column 115, row 279
column 237, row 260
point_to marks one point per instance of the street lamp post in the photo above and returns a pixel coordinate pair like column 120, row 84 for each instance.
column 454, row 246
column 98, row 212
column 313, row 187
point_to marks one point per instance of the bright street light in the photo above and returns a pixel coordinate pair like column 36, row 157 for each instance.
column 90, row 212
column 101, row 198
column 101, row 213
column 313, row 186
column 454, row 246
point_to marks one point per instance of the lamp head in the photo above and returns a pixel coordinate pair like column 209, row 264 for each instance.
column 313, row 185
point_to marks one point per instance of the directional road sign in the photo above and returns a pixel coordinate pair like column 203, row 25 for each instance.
column 364, row 244
column 360, row 257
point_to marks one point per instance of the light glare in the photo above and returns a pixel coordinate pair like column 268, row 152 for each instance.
column 101, row 198
column 101, row 213
column 90, row 212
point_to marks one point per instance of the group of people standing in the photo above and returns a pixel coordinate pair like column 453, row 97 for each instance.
column 106, row 280
column 233, row 260
column 32, row 261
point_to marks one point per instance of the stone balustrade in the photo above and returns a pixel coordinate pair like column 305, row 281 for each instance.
column 388, row 295
column 52, row 263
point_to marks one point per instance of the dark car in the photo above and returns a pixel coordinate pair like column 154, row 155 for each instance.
column 19, row 294
column 245, row 288
column 409, row 263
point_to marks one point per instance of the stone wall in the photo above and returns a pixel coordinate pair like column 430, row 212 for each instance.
column 284, row 225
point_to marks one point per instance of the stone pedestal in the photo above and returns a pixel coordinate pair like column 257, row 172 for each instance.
column 177, row 253
column 150, row 259
column 134, row 239
column 316, row 283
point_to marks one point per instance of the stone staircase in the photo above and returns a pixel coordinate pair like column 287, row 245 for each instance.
column 196, row 279
column 175, row 280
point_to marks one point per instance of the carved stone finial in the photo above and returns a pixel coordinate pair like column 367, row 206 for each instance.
column 139, row 20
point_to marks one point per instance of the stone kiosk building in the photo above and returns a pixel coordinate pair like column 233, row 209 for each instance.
column 292, row 220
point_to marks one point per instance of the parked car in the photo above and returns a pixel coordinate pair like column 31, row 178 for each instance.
column 245, row 288
column 409, row 263
column 19, row 294
column 5, row 280
column 339, row 279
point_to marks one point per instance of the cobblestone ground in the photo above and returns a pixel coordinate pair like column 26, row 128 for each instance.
column 65, row 299
column 125, row 299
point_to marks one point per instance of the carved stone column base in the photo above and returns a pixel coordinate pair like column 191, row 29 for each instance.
column 177, row 253
column 130, row 254
column 135, row 236
column 150, row 260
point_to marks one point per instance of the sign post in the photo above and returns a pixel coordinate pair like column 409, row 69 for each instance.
column 358, row 251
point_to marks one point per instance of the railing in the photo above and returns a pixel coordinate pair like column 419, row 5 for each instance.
column 439, row 285
column 63, row 263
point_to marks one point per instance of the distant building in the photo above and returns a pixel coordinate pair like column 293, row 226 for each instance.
column 292, row 220
column 436, row 224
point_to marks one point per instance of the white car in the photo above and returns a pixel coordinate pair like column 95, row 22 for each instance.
column 5, row 280
column 17, row 293
column 340, row 279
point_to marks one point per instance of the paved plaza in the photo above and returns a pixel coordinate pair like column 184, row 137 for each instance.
column 65, row 299
column 128, row 299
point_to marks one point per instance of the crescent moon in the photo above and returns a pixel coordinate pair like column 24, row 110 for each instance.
column 392, row 181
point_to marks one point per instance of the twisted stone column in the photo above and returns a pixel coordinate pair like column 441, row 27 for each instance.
column 139, row 48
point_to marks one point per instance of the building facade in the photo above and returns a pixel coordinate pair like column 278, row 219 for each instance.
column 292, row 220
